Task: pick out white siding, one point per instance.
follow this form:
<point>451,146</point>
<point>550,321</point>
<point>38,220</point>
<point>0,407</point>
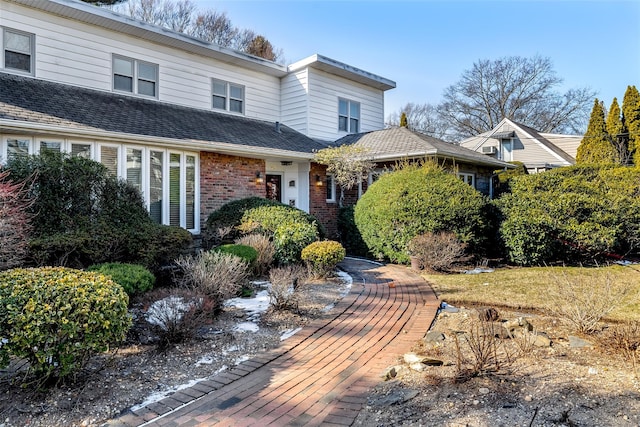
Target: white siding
<point>295,100</point>
<point>325,90</point>
<point>79,54</point>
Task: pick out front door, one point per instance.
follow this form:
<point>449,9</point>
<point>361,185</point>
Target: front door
<point>274,187</point>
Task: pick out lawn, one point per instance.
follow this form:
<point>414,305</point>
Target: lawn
<point>537,288</point>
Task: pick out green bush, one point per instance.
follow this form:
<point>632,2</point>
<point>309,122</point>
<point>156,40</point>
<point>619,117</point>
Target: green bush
<point>134,279</point>
<point>230,215</point>
<point>83,216</point>
<point>290,228</point>
<point>572,213</point>
<point>56,318</point>
<point>416,199</point>
<point>322,257</point>
<point>349,234</point>
<point>247,253</point>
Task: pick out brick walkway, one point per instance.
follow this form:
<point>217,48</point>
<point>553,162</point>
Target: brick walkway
<point>320,376</point>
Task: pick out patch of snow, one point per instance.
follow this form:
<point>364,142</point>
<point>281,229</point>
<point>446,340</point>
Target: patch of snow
<point>289,333</point>
<point>479,270</point>
<point>246,327</point>
<point>241,359</point>
<point>253,306</point>
<point>168,310</point>
<point>206,360</point>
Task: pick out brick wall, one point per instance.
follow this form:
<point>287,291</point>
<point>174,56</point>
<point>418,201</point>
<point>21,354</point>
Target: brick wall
<point>327,213</point>
<point>224,178</point>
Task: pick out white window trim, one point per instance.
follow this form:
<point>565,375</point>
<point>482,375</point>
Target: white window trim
<point>134,88</point>
<point>65,144</point>
<point>227,96</point>
<point>464,176</point>
<point>348,116</point>
<point>32,52</point>
<point>331,183</point>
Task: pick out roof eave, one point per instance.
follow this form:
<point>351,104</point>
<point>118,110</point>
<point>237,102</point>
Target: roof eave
<point>341,69</point>
<point>22,127</point>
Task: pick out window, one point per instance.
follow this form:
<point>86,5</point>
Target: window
<point>506,150</point>
<point>134,167</point>
<point>131,75</point>
<point>109,158</point>
<point>331,188</point>
<point>348,116</point>
<point>468,178</point>
<point>50,146</point>
<point>81,150</point>
<point>17,51</point>
<point>17,147</point>
<point>228,96</point>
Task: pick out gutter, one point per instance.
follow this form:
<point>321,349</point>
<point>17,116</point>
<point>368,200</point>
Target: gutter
<point>13,126</point>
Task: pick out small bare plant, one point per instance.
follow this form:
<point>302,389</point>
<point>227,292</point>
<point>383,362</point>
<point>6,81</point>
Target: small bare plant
<point>176,314</point>
<point>624,339</point>
<point>437,251</point>
<point>287,287</point>
<point>265,248</point>
<point>487,352</point>
<point>217,275</point>
<point>584,300</point>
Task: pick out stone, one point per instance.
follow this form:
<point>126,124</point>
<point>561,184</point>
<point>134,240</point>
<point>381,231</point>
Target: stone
<point>518,323</point>
<point>393,372</point>
<point>418,367</point>
<point>412,358</point>
<point>433,336</point>
<point>577,342</point>
<point>488,314</point>
<point>483,390</point>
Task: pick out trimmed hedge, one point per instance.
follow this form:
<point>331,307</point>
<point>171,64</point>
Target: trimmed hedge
<point>290,228</point>
<point>230,215</point>
<point>134,279</point>
<point>246,253</point>
<point>416,199</point>
<point>572,213</point>
<point>56,318</point>
<point>322,257</point>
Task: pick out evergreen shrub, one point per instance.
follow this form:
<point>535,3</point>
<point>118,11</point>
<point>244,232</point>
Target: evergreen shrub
<point>134,279</point>
<point>246,253</point>
<point>82,215</point>
<point>349,234</point>
<point>291,229</point>
<point>56,318</point>
<point>322,257</point>
<point>572,214</point>
<point>416,199</point>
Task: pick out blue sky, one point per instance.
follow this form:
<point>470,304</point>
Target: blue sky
<point>424,46</point>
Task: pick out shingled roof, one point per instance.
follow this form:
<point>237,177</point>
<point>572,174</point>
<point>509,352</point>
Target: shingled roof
<point>54,105</point>
<point>399,143</point>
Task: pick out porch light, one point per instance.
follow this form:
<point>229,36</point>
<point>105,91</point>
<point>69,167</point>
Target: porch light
<point>259,179</point>
<point>318,181</point>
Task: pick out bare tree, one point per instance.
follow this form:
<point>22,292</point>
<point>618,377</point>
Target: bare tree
<point>521,89</point>
<point>15,221</point>
<point>209,25</point>
<point>423,118</point>
<point>349,164</point>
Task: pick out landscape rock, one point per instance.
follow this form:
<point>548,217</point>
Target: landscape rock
<point>577,342</point>
<point>433,337</point>
<point>488,314</point>
<point>517,323</point>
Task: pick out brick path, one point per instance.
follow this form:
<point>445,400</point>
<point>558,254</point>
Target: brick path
<point>320,376</point>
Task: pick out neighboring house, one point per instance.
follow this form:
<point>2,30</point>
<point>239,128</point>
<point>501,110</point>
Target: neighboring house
<point>512,142</point>
<point>389,146</point>
<point>191,124</point>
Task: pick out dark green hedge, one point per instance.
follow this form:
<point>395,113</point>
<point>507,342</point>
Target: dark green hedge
<point>417,199</point>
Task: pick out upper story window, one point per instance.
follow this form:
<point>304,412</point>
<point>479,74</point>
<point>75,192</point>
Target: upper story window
<point>348,116</point>
<point>18,50</point>
<point>228,96</point>
<point>134,76</point>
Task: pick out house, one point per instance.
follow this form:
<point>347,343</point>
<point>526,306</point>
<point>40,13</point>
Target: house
<point>514,142</point>
<point>193,125</point>
<point>389,146</point>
